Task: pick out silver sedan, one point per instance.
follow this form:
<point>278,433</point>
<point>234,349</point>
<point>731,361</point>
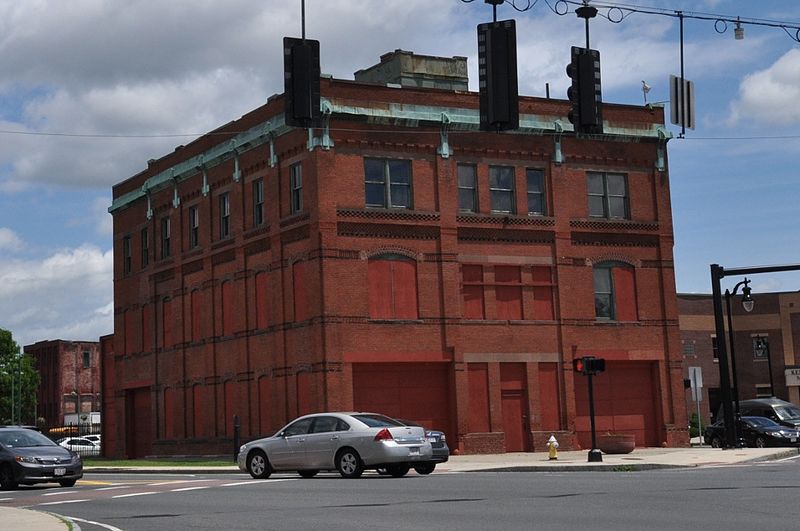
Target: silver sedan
<point>347,442</point>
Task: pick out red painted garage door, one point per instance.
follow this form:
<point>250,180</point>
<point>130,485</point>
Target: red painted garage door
<point>413,391</point>
<point>624,401</point>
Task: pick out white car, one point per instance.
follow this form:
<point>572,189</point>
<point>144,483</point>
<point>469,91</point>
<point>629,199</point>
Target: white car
<point>80,445</point>
<point>347,442</point>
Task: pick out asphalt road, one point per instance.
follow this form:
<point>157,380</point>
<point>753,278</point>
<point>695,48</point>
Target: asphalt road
<point>755,496</point>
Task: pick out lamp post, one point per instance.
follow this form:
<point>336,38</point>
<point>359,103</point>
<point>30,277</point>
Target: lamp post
<point>762,345</point>
<point>747,304</point>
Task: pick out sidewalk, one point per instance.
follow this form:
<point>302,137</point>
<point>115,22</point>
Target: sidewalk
<point>639,459</point>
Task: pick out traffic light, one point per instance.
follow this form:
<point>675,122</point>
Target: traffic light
<point>497,76</point>
<point>589,365</point>
<point>585,93</point>
<point>301,72</point>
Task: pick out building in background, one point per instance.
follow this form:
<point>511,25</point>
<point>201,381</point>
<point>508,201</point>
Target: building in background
<point>70,379</point>
<point>397,260</point>
<point>768,338</point>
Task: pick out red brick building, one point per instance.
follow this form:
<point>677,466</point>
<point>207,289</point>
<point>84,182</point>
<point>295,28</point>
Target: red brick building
<point>397,260</point>
<point>70,378</point>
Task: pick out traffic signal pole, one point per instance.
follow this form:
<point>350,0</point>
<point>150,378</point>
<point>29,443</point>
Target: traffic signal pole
<point>595,455</point>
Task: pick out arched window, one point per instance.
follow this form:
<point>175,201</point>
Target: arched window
<point>615,291</point>
<point>392,282</point>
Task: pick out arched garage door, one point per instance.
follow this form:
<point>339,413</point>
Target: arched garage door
<point>625,401</point>
<point>413,391</point>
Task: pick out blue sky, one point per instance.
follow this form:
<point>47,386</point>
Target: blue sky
<point>90,90</point>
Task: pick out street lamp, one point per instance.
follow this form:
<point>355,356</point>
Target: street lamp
<point>747,304</point>
<point>762,347</point>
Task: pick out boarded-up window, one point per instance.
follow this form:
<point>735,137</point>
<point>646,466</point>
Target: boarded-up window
<point>230,405</point>
<point>549,397</point>
<point>264,409</point>
<point>147,328</point>
<point>478,398</point>
<point>227,308</point>
<point>543,293</point>
<point>169,413</point>
<point>303,381</point>
<point>130,332</point>
<point>299,287</point>
<point>196,313</point>
<point>262,319</point>
<point>200,411</point>
<point>615,291</point>
<point>508,292</point>
<point>625,293</point>
<point>472,291</point>
<point>166,319</point>
<point>392,283</point>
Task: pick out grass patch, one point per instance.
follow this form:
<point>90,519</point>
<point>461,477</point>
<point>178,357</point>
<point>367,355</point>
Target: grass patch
<point>166,461</point>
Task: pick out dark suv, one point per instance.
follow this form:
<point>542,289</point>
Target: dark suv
<point>780,411</point>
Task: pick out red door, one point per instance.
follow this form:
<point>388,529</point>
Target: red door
<point>138,423</point>
<point>515,421</point>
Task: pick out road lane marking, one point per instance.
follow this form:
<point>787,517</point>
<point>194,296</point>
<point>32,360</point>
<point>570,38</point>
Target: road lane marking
<point>5,499</point>
<point>257,482</point>
<point>62,501</point>
<point>134,494</point>
<point>114,488</point>
<point>107,526</point>
<point>59,493</point>
<point>184,489</point>
<point>174,482</point>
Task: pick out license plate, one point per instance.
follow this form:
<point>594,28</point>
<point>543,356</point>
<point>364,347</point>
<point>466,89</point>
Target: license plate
<point>59,471</point>
<point>414,450</point>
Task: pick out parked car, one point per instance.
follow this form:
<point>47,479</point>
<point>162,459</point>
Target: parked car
<point>778,410</point>
<point>347,442</point>
<point>80,445</point>
<point>440,450</point>
<point>757,432</point>
<point>28,457</point>
<point>94,438</point>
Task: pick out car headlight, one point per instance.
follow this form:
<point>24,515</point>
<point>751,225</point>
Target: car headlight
<point>443,438</point>
<point>775,433</point>
<point>25,459</point>
<point>242,448</point>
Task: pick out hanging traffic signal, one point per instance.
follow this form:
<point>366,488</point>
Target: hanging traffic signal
<point>497,76</point>
<point>301,73</point>
<point>585,92</point>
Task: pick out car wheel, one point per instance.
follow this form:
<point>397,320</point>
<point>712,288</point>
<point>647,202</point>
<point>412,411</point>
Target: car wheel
<point>398,470</point>
<point>760,442</point>
<point>425,468</point>
<point>258,465</point>
<point>716,442</point>
<point>307,473</point>
<point>67,482</point>
<point>349,464</point>
<point>7,478</point>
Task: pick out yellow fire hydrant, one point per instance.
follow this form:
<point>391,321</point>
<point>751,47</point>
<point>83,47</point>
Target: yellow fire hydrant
<point>552,445</point>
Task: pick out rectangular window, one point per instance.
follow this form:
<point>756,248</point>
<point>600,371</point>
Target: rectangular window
<point>145,248</point>
<point>467,188</point>
<point>536,203</point>
<point>387,183</point>
<point>194,227</point>
<point>688,349</point>
<point>296,184</point>
<point>224,215</point>
<point>714,348</point>
<point>87,359</point>
<point>603,293</point>
<point>501,189</point>
<point>126,254</point>
<point>608,195</point>
<point>165,237</point>
<point>760,347</point>
<point>258,202</point>
<point>472,291</point>
<point>508,292</point>
<point>763,391</point>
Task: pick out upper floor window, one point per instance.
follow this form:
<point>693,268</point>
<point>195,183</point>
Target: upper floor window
<point>145,247</point>
<point>392,287</point>
<point>615,292</point>
<point>536,202</point>
<point>165,238</point>
<point>467,188</point>
<point>714,348</point>
<point>87,359</point>
<point>258,202</point>
<point>387,183</point>
<point>296,185</point>
<point>126,254</point>
<point>608,195</point>
<point>501,188</point>
<point>194,227</point>
<point>224,215</point>
<point>760,347</point>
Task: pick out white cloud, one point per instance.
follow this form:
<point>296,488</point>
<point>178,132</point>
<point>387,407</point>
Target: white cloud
<point>63,296</point>
<point>770,96</point>
<point>9,241</point>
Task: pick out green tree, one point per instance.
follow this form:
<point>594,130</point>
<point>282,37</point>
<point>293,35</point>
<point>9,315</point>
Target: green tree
<point>19,383</point>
